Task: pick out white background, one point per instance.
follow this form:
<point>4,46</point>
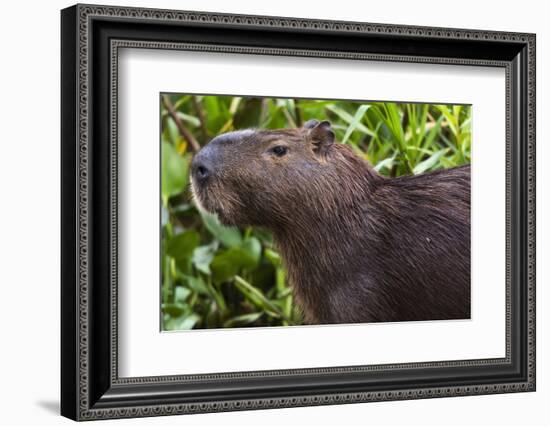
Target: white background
<point>29,229</point>
<point>141,346</point>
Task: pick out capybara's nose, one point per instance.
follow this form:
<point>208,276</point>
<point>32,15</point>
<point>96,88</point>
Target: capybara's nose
<point>202,172</point>
<point>202,166</point>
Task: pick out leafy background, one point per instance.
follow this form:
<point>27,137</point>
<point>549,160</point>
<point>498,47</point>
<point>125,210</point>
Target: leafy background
<point>215,276</point>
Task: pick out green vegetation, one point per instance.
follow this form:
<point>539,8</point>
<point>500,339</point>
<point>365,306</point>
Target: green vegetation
<point>215,276</point>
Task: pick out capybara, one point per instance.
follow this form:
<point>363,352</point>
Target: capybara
<point>357,246</point>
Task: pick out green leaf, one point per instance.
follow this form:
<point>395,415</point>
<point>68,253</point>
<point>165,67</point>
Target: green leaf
<point>182,245</point>
<point>217,113</point>
<point>433,132</point>
<point>229,236</point>
<point>181,294</point>
<point>192,120</point>
<point>174,309</point>
<point>182,323</point>
<point>391,116</point>
<point>219,301</point>
<point>451,119</point>
<point>248,113</point>
<point>430,162</point>
<point>174,172</point>
<point>242,319</point>
<point>183,264</point>
<point>264,236</point>
<point>252,249</point>
<point>385,163</point>
<point>224,266</point>
<point>348,118</point>
<point>189,322</point>
<point>256,297</point>
<point>465,126</point>
<point>164,216</point>
<point>196,284</point>
<point>273,257</point>
<point>230,262</point>
<point>173,132</point>
<point>202,257</point>
<point>355,121</point>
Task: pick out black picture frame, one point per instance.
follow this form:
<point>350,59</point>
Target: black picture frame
<point>90,386</point>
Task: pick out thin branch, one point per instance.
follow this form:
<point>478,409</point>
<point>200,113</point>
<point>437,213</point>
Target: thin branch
<point>185,134</point>
<point>200,112</point>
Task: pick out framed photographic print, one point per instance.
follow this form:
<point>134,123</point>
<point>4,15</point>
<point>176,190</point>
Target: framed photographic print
<point>263,212</point>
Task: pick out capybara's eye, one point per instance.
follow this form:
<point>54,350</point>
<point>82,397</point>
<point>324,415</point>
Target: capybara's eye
<point>279,150</point>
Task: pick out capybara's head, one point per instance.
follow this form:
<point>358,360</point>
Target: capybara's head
<point>267,177</point>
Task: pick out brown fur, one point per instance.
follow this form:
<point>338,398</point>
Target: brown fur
<point>358,247</point>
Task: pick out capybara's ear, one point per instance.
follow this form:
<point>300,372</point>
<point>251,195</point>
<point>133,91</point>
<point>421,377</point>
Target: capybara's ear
<point>310,124</point>
<point>321,136</point>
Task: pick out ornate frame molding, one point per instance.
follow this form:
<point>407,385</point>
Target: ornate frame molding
<point>78,24</point>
